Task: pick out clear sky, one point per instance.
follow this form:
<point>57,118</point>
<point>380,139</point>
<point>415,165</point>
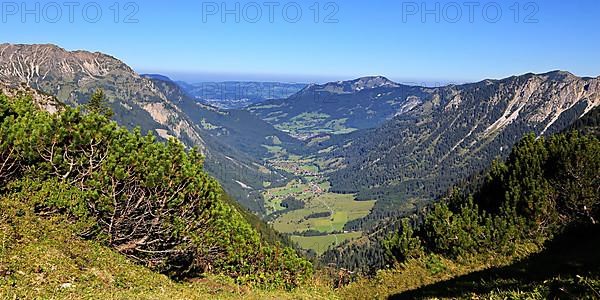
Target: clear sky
<point>345,39</point>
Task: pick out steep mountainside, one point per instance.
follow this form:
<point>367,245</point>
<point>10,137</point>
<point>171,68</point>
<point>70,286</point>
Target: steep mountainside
<point>339,107</point>
<point>454,132</point>
<point>239,94</point>
<point>235,127</point>
<point>238,144</point>
<point>73,76</point>
<point>149,200</point>
<point>589,124</point>
<point>154,105</point>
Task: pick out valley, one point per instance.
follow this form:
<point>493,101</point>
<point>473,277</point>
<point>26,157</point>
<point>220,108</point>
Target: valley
<point>306,210</point>
<point>366,151</point>
<point>312,150</point>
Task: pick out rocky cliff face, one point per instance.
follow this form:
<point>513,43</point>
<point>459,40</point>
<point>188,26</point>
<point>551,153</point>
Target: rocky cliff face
<point>540,100</point>
<point>72,76</point>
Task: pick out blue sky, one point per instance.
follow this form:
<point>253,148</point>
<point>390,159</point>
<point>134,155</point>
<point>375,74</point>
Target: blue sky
<point>189,40</point>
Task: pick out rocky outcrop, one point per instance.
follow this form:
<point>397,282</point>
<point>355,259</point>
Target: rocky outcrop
<point>43,101</point>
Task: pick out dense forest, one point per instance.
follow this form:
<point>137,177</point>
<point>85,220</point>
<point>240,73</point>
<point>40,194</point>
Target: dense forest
<point>545,186</point>
<point>151,201</point>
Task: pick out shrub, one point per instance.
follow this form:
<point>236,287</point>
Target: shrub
<point>403,245</point>
<point>544,186</point>
<point>149,200</point>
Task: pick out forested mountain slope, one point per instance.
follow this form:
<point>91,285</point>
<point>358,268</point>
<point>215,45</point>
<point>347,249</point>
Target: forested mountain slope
<point>237,128</point>
<point>237,143</point>
<point>455,132</point>
<point>339,107</point>
<point>588,124</point>
<point>539,199</point>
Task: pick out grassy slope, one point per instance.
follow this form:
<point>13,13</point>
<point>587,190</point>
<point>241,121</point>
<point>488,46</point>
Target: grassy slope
<point>43,258</point>
<point>568,268</point>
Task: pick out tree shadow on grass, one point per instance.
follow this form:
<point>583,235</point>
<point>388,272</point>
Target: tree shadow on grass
<point>576,252</point>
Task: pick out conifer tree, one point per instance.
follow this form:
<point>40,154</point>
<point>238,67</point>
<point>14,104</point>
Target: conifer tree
<point>99,104</point>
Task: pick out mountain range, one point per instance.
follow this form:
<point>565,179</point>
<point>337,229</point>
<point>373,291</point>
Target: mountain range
<point>338,107</point>
<point>405,145</point>
<point>458,130</point>
<point>398,144</point>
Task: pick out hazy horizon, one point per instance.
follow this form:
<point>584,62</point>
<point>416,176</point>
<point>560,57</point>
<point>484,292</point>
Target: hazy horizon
<point>201,77</point>
<point>426,41</point>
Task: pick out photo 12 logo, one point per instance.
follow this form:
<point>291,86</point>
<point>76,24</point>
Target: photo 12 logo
<point>69,11</point>
<point>454,12</point>
<point>254,12</point>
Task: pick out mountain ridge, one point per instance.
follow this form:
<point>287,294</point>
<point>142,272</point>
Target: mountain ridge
<point>404,140</point>
<point>341,107</point>
<point>454,132</point>
<point>72,76</point>
<point>348,86</point>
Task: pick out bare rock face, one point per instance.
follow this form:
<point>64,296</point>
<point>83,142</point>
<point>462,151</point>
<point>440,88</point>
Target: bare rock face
<point>72,76</point>
<point>540,100</point>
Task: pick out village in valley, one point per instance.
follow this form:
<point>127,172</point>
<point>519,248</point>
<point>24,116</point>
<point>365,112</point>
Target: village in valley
<point>305,209</point>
